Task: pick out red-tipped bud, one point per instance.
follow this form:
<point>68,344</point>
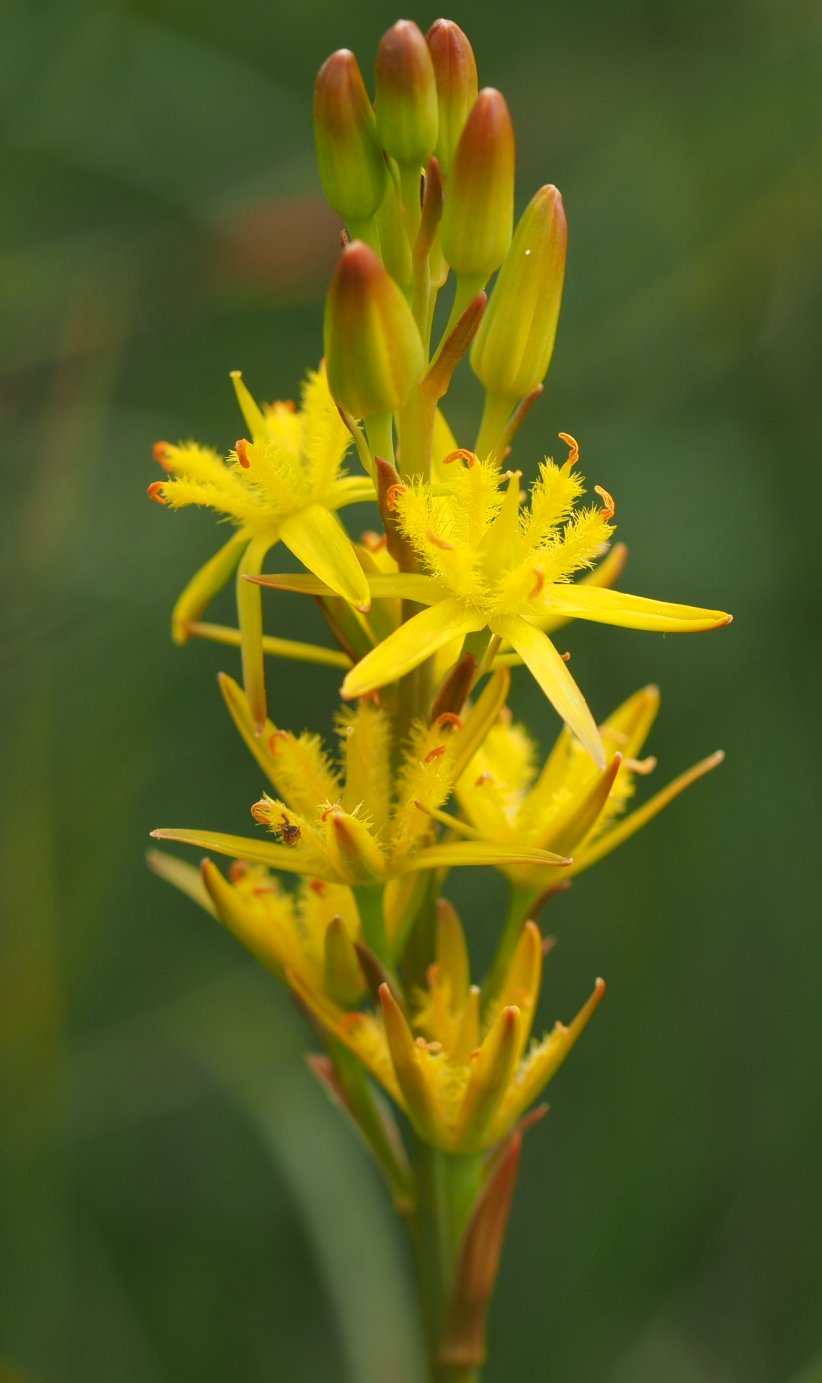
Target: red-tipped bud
<point>352,168</point>
<point>455,69</point>
<point>479,206</point>
<point>373,351</point>
<point>406,95</point>
<point>513,347</point>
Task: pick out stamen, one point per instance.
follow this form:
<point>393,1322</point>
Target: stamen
<point>243,457</point>
<point>448,718</point>
<point>160,452</point>
<point>237,870</point>
<point>573,448</point>
<point>371,698</point>
<point>372,541</point>
<point>317,886</point>
<point>155,491</point>
<point>643,766</point>
<point>351,1020</point>
<point>272,740</point>
<point>461,454</point>
<point>539,582</point>
<point>261,813</point>
<point>392,494</point>
<point>335,807</point>
<point>609,507</point>
<point>483,779</point>
<point>433,1047</point>
<point>439,542</point>
<point>435,753</point>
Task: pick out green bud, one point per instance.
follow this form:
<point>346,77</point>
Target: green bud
<point>406,95</point>
<point>479,205</point>
<point>512,349</point>
<point>352,167</point>
<point>455,69</point>
<point>373,351</point>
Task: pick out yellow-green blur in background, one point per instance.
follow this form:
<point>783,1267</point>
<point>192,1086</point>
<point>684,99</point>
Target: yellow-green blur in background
<point>177,1200</point>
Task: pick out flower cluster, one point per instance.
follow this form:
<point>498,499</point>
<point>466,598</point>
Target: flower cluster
<point>474,568</point>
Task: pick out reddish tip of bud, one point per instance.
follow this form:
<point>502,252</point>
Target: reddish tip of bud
<point>155,491</point>
<point>478,218</point>
<point>455,70</point>
<point>243,457</point>
<point>406,94</point>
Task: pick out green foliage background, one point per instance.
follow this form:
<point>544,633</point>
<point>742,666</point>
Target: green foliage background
<point>178,1202</point>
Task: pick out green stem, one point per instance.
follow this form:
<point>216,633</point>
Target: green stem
<point>447,1188</point>
<point>380,432</point>
<point>410,190</point>
<point>372,920</point>
<point>366,231</point>
<point>467,289</point>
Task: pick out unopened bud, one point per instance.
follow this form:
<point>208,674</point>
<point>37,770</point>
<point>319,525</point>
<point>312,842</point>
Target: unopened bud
<point>479,206</point>
<point>373,351</point>
<point>512,349</point>
<point>455,69</point>
<point>352,168</point>
<point>406,95</point>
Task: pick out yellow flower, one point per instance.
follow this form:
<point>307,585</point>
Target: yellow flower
<point>567,806</point>
<point>363,823</point>
<point>463,1077</point>
<point>285,484</point>
<point>493,567</point>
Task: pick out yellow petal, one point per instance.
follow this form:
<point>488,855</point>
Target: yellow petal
<point>286,857</point>
<point>410,1067</point>
<point>542,1064</point>
<point>543,661</point>
<point>628,727</point>
<point>410,645</point>
<point>425,590</point>
<point>248,924</point>
<point>452,953</point>
<point>319,541</point>
<point>456,853</point>
<point>632,611</point>
<point>250,409</point>
<point>580,815</point>
<point>480,718</point>
<point>491,1072</point>
<point>606,574</point>
<point>204,585</point>
<point>342,975</point>
<point>184,876</point>
<point>250,619</point>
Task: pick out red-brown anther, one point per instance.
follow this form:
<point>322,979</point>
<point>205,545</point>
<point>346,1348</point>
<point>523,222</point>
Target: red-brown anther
<point>351,1020</point>
<point>435,753</point>
<point>274,738</point>
<point>439,542</point>
<point>539,582</point>
<point>461,454</point>
<point>318,886</point>
<point>237,870</point>
<point>155,491</point>
<point>573,447</point>
<point>373,542</point>
<point>160,452</point>
<point>243,457</point>
<point>483,779</point>
<point>448,718</point>
<point>371,698</point>
<point>261,813</point>
<point>608,505</point>
<point>393,493</point>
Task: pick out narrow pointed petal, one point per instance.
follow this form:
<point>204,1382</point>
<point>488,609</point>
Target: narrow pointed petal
<point>606,574</point>
<point>345,1084</point>
<point>203,586</point>
<point>632,611</point>
<point>521,983</point>
<point>452,952</point>
<point>290,859</point>
<point>581,814</point>
<point>184,876</point>
<point>480,718</point>
<point>467,1038</point>
<point>319,541</point>
<point>249,926</point>
<point>457,853</point>
<point>629,825</point>
<point>405,585</point>
<point>250,619</point>
<point>491,1073</point>
<point>342,975</point>
<point>543,661</point>
<point>249,408</point>
<point>408,1062</point>
<point>240,712</point>
<point>628,727</point>
<point>543,1063</point>
<point>410,645</point>
<point>463,1344</point>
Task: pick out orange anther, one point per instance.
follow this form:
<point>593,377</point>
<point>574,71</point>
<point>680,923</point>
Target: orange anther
<point>483,779</point>
<point>539,582</point>
<point>449,718</point>
<point>155,491</point>
<point>262,889</point>
<point>351,1020</point>
<point>237,870</point>
<point>642,766</point>
<point>566,657</point>
<point>461,454</point>
<point>160,452</point>
<point>372,698</point>
<point>393,493</point>
<point>318,886</point>
<point>435,753</point>
<point>372,541</point>
<point>335,807</point>
<point>421,807</point>
<point>272,740</point>
<point>260,812</point>
<point>573,447</point>
<point>609,508</point>
<point>243,457</point>
<point>424,1046</point>
<point>439,542</point>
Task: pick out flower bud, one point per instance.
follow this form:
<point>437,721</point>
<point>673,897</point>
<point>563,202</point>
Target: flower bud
<point>373,350</point>
<point>512,349</point>
<point>455,69</point>
<point>406,95</point>
<point>479,207</point>
<point>352,167</point>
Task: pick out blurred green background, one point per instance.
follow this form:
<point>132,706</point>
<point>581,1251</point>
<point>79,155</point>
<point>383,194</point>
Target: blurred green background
<point>178,1201</point>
